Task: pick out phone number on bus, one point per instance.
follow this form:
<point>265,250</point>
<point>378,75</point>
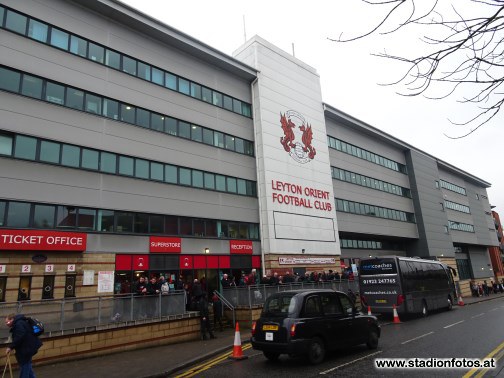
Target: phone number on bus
<point>379,281</point>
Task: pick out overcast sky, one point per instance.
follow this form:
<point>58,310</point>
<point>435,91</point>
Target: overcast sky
<point>349,74</point>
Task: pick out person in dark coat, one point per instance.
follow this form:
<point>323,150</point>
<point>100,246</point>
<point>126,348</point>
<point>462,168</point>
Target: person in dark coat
<point>217,309</point>
<point>206,326</point>
<point>24,342</point>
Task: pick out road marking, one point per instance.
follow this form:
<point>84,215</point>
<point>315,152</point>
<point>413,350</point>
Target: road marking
<point>451,325</point>
<point>349,363</point>
<point>471,372</point>
<point>416,338</point>
<point>477,316</point>
<point>493,309</point>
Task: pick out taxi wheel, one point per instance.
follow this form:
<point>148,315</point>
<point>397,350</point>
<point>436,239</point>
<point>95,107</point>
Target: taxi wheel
<point>316,351</point>
<point>372,342</point>
<point>425,310</point>
<point>271,356</point>
<point>450,304</point>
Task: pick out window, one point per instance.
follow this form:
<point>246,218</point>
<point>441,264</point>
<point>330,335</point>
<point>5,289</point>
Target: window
<point>112,59</point>
<point>171,174</point>
<point>126,165</point>
<point>24,291</point>
<point>157,122</point>
<point>184,176</point>
<point>183,86</point>
<point>86,219</point>
<point>38,31</point>
<point>48,287</point>
<point>70,285</point>
<point>156,224</point>
<point>144,71</point>
<point>218,139</point>
<point>110,108</point>
<point>6,145</point>
<point>170,81</point>
<point>107,162</point>
<point>59,39</point>
<point>156,171</point>
<point>229,143</point>
<point>105,221</point>
<point>141,168</point>
<point>209,180</point>
<point>74,98</point>
<point>90,159</point>
<point>127,113</point>
<point>18,214</point>
<point>157,76</point>
<point>43,216</point>
<point>312,307</point>
<point>15,22</point>
<point>129,65</point>
<point>32,86</point>
<point>66,217</point>
<point>93,104</point>
<point>26,147</point>
<point>196,133</point>
<point>78,46</point>
<point>3,284</point>
<point>55,93</point>
<point>143,118</point>
<point>124,221</point>
<point>96,53</point>
<point>220,183</point>
<point>208,136</point>
<point>9,80</point>
<point>184,130</point>
<point>141,223</point>
<point>50,152</point>
<point>197,179</point>
<point>171,126</point>
<point>196,90</point>
<point>206,94</point>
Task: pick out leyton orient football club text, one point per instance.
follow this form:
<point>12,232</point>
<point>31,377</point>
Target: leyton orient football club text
<point>297,195</point>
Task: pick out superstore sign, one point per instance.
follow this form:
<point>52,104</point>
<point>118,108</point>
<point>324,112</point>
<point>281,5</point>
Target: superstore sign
<point>300,196</point>
<point>163,244</point>
<point>28,240</point>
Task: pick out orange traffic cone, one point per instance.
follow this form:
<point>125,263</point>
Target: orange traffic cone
<point>237,348</point>
<point>369,310</point>
<point>396,317</point>
<point>460,301</point>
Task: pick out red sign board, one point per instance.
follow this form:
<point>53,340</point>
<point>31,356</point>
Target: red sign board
<point>186,262</point>
<point>165,245</point>
<point>38,240</point>
<point>140,262</point>
<point>240,247</point>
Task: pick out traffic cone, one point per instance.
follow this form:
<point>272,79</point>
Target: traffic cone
<point>369,310</point>
<point>460,301</point>
<point>396,317</point>
<point>237,348</point>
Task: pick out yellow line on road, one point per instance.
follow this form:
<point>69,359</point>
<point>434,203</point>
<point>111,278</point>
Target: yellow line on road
<point>471,372</point>
<point>207,365</point>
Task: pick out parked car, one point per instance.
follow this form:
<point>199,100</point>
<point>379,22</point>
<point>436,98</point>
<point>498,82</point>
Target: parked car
<point>309,322</point>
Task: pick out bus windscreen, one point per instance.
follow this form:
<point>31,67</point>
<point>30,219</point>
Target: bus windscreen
<point>371,267</point>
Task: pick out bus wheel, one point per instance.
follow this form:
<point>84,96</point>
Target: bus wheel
<point>425,311</point>
<point>450,304</point>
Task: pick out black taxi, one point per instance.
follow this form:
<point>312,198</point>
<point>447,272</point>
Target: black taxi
<point>310,322</point>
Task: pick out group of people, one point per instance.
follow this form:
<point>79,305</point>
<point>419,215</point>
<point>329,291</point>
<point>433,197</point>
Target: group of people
<point>479,289</point>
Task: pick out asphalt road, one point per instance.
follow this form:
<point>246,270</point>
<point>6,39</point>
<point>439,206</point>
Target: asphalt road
<point>472,332</point>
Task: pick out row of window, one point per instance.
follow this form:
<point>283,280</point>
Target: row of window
<point>60,94</point>
<point>457,207</point>
<point>373,211</point>
<point>366,155</point>
<point>360,244</point>
<point>68,155</point>
<point>15,214</point>
<point>55,37</point>
<point>452,187</point>
<point>355,178</point>
<point>460,226</point>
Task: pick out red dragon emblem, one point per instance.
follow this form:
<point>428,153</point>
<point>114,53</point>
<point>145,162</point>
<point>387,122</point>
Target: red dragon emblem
<point>302,151</point>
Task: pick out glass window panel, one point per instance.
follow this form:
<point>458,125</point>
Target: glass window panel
<point>15,22</point>
<point>197,179</point>
<point>249,148</point>
<point>196,90</point>
<point>156,171</point>
<point>127,113</point>
<point>184,176</point>
<point>242,187</point>
<point>144,71</point>
<point>186,226</point>
<point>2,203</point>
<point>129,65</point>
<point>90,159</point>
<point>171,174</point>
<point>196,133</point>
<point>110,108</point>
<point>211,228</point>
<point>78,46</point>
<point>209,180</point>
<point>141,168</point>
<point>43,216</point>
<point>251,188</point>
<point>93,104</point>
<point>171,225</point>
<point>157,76</point>
<point>141,223</point>
<point>2,12</point>
<point>218,139</point>
<point>37,30</point>
<point>105,221</point>
<point>183,86</point>
<point>208,136</point>
<point>229,143</point>
<point>126,165</point>
<point>143,118</point>
<point>70,155</point>
<point>217,99</point>
<point>55,93</point>
<point>156,224</point>
<point>74,98</point>
<point>231,185</point>
<point>49,151</point>
<point>124,221</point>
<point>32,86</point>
<point>236,106</point>
<point>86,219</point>
<point>246,110</point>
<point>108,162</point>
<point>199,227</point>
<point>239,145</point>
<point>228,103</point>
<point>9,80</point>
<point>96,53</point>
<point>6,142</point>
<point>18,214</point>
<point>59,38</point>
<point>220,183</point>
<point>157,122</point>
<point>113,59</point>
<point>170,81</point>
<point>26,147</point>
<point>171,126</point>
<point>206,94</point>
<point>184,130</point>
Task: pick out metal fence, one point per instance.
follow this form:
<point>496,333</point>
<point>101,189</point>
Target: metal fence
<point>74,315</point>
<point>255,295</point>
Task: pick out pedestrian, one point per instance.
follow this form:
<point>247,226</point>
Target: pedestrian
<point>217,310</point>
<point>24,342</point>
<point>225,282</point>
<point>205,324</point>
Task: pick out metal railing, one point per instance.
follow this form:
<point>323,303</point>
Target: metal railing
<point>226,303</point>
<point>74,315</point>
<point>255,295</point>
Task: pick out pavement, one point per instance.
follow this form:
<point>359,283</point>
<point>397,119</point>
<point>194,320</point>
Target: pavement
<point>161,361</point>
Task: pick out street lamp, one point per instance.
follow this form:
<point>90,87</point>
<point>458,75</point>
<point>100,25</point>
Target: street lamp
<point>207,250</point>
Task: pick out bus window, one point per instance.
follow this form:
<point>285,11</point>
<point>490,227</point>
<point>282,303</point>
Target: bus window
<point>378,266</point>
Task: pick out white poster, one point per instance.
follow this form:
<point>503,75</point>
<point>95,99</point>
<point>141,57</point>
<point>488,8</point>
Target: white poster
<point>106,282</point>
<point>88,278</point>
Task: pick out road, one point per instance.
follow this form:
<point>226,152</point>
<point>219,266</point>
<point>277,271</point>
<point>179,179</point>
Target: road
<point>475,332</point>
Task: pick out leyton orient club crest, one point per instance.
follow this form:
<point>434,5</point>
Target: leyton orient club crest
<point>294,125</point>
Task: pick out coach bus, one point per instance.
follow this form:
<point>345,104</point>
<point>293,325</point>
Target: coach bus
<point>413,285</point>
